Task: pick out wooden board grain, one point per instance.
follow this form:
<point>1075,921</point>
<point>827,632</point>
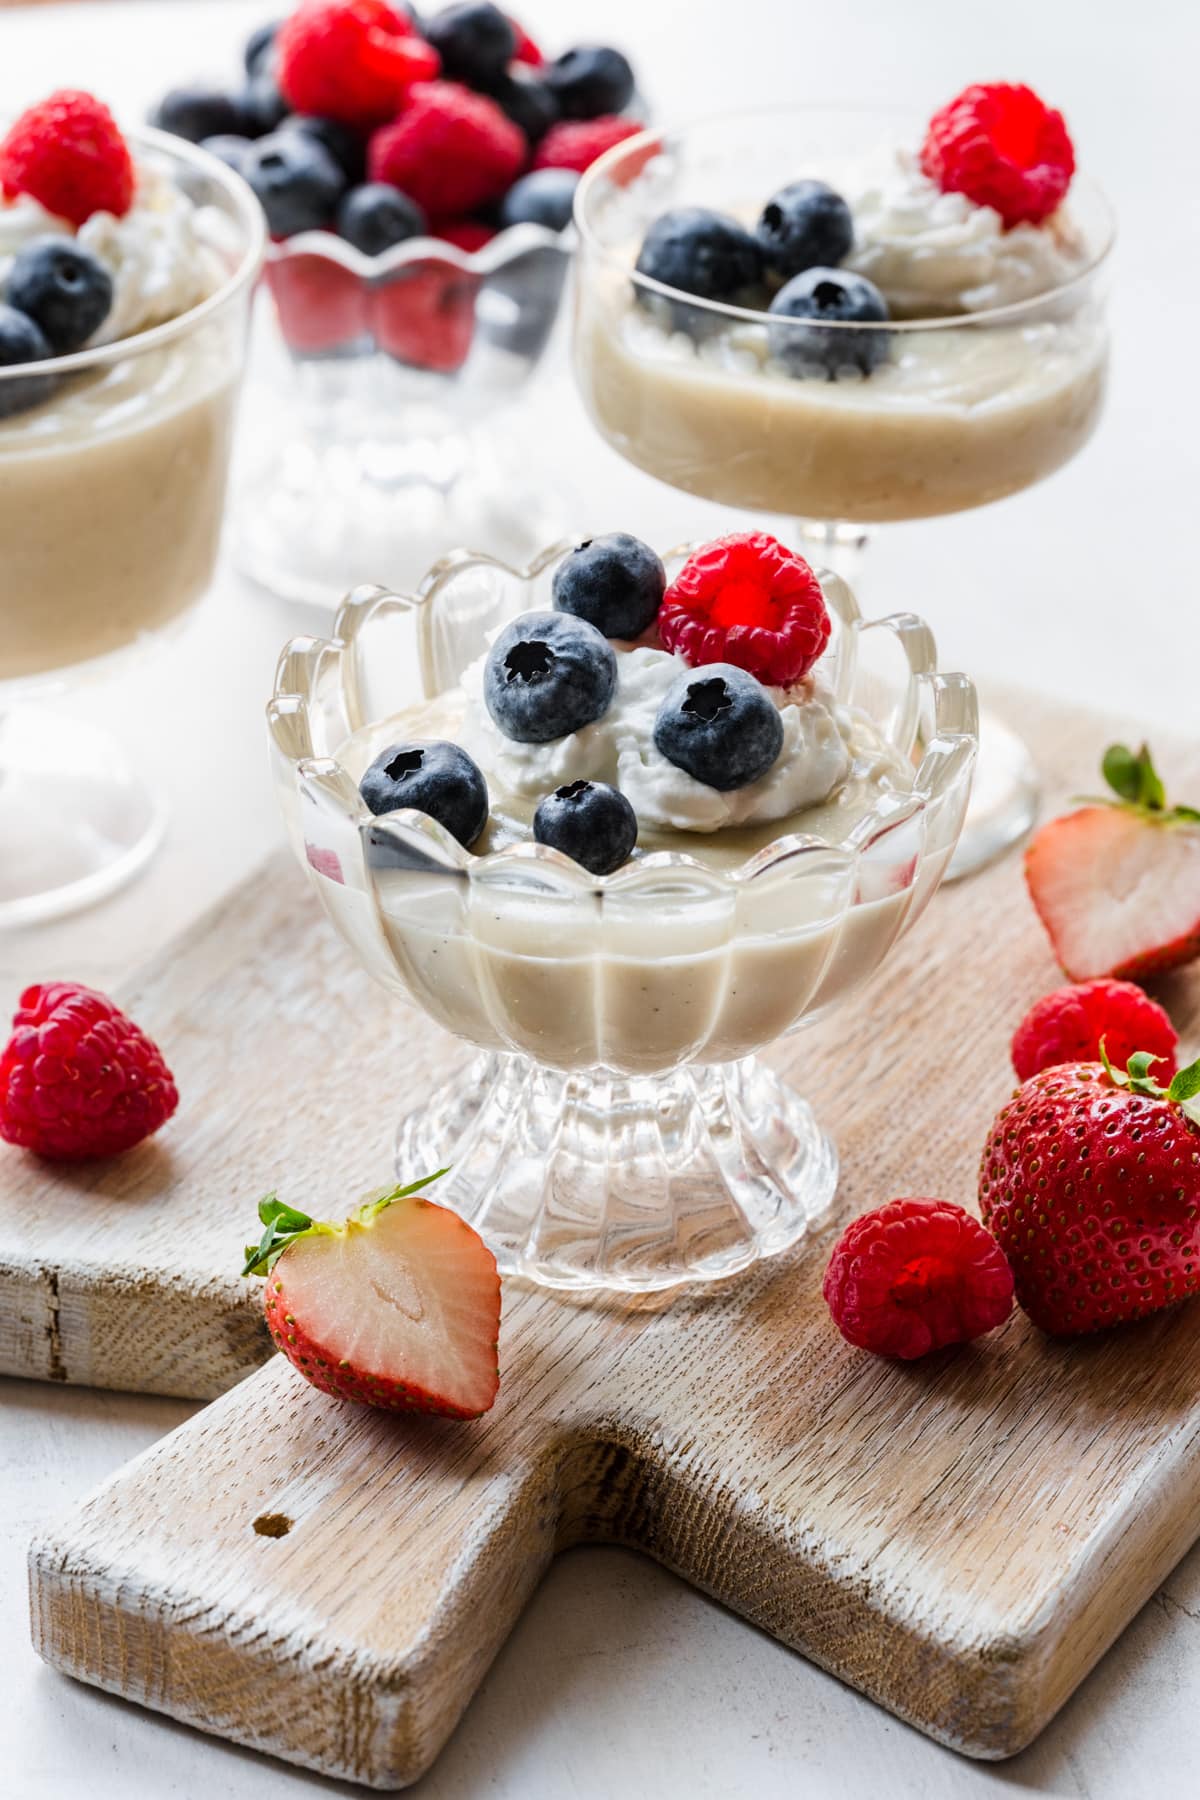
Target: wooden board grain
<point>960,1539</point>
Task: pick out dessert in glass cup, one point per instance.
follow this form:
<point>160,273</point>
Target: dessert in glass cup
<point>417,179</point>
<point>828,314</point>
<point>126,270</point>
<point>646,816</point>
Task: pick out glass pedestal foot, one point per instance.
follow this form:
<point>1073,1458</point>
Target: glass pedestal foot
<point>624,1184</point>
<point>1005,795</point>
<point>333,515</point>
<point>76,822</point>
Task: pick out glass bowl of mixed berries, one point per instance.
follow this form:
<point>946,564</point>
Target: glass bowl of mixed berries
<point>640,816</point>
<point>418,182</point>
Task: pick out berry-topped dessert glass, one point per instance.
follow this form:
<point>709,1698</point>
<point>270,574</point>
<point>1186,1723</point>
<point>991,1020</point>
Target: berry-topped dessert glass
<point>625,836</point>
<point>837,316</point>
<point>126,273</point>
<point>418,186</point>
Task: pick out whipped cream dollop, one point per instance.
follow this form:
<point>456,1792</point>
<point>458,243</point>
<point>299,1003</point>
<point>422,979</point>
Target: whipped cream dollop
<point>160,265</point>
<point>619,749</point>
<point>932,253</point>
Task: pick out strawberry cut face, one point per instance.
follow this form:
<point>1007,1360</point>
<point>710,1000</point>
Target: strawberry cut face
<point>398,1308</point>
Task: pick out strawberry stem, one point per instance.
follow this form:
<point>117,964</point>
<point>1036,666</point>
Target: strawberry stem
<point>283,1224</point>
<point>1138,787</point>
<point>1183,1092</point>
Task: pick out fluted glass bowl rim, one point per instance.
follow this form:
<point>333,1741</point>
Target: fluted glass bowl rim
<point>508,246</point>
<point>250,218</point>
<point>310,654</point>
<point>1014,313</point>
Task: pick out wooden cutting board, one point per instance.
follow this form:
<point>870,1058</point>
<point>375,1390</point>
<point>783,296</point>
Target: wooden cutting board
<point>960,1539</point>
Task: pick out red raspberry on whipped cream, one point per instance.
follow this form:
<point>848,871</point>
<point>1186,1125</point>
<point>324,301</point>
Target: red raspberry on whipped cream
<point>68,154</point>
<point>748,600</point>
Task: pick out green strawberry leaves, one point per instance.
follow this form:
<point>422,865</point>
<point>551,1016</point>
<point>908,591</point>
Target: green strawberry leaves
<point>283,1224</point>
<point>1138,787</point>
<point>1133,778</point>
<point>1183,1092</point>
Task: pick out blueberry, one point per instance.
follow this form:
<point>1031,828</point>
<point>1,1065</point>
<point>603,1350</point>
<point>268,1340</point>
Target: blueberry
<point>828,297</point>
<point>297,182</point>
<point>548,675</point>
<point>616,583</point>
<point>261,106</point>
<point>343,144</point>
<point>228,147</point>
<point>474,39</point>
<point>720,725</point>
<point>196,113</point>
<point>592,824</point>
<point>545,197</point>
<point>435,778</point>
<point>259,45</point>
<point>21,341</point>
<point>64,289</point>
<point>589,80</point>
<point>701,252</point>
<point>376,216</point>
<point>527,101</point>
<point>803,226</point>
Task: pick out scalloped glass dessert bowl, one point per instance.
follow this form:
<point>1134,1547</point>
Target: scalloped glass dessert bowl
<point>392,365</point>
<point>112,497</point>
<point>965,408</point>
<point>616,1130</point>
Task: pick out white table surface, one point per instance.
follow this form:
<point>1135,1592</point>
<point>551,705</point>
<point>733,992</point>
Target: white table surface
<point>620,1680</point>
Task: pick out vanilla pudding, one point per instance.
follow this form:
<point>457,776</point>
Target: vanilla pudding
<point>961,415</point>
<point>703,954</point>
<point>989,358</point>
<point>112,488</point>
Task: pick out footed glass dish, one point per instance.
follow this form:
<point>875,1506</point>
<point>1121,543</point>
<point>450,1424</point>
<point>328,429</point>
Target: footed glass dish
<point>379,458</point>
<point>616,1130</point>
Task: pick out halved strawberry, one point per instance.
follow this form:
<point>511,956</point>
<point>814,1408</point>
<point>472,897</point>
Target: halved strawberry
<point>398,1307</point>
<point>1117,883</point>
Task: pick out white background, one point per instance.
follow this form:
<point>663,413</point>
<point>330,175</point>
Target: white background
<point>620,1681</point>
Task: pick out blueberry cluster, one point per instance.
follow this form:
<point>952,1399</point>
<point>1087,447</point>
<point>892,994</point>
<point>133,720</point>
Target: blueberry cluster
<point>787,267</point>
<point>57,294</point>
<point>549,674</point>
<point>310,173</point>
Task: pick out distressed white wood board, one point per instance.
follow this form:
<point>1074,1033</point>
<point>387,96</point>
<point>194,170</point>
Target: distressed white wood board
<point>959,1539</point>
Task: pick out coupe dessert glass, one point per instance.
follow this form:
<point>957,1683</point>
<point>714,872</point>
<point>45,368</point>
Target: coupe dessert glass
<point>392,363</point>
<point>616,1130</point>
<point>112,491</point>
<point>968,408</point>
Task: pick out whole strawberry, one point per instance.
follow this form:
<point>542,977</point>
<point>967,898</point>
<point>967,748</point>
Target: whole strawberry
<point>1090,1181</point>
<point>78,1079</point>
<point>1117,883</point>
<point>397,1307</point>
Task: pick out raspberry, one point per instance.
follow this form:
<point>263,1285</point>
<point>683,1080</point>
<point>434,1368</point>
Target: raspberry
<point>450,150</point>
<point>464,234</point>
<point>78,1079</point>
<point>350,60</point>
<point>1001,147</point>
<point>321,306</point>
<point>915,1275</point>
<point>576,143</point>
<point>68,154</point>
<point>525,50</point>
<point>425,316</point>
<point>1067,1026</point>
<point>747,600</point>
